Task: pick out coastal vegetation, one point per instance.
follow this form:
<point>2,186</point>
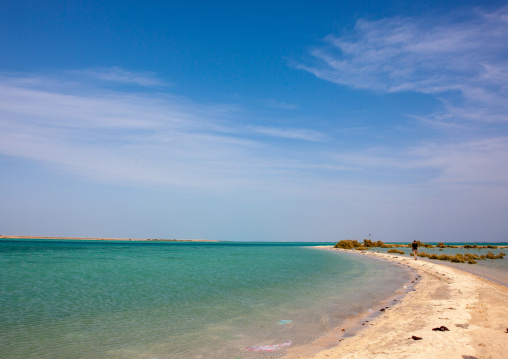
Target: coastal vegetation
<point>475,246</point>
<point>467,257</point>
<point>367,244</point>
<point>462,258</point>
<point>396,251</point>
<point>348,244</point>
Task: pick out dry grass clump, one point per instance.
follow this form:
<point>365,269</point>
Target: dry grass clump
<point>396,251</point>
<point>491,255</point>
<point>348,244</point>
<point>441,257</point>
<point>462,258</point>
<point>458,258</point>
<point>471,256</point>
<point>369,243</point>
<point>476,246</point>
<point>354,244</point>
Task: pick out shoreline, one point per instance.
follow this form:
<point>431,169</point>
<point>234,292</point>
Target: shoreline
<point>471,307</point>
<point>109,239</point>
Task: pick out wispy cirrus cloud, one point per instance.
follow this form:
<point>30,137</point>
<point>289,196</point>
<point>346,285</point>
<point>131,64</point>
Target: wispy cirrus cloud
<point>477,162</point>
<point>162,139</point>
<point>460,54</point>
<point>121,76</point>
<point>125,136</point>
<point>460,59</point>
<point>291,133</point>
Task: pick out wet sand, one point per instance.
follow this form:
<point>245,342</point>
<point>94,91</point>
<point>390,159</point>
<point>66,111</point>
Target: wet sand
<point>473,309</point>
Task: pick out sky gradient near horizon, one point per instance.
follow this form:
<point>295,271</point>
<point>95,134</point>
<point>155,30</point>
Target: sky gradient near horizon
<point>255,121</point>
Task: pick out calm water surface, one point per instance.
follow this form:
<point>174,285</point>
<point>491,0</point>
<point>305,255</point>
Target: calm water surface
<point>88,299</point>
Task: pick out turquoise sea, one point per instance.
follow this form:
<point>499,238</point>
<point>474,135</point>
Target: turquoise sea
<point>179,300</point>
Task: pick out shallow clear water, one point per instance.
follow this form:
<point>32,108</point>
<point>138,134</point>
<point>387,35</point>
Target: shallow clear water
<point>80,299</point>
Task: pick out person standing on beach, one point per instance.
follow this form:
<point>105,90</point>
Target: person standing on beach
<point>415,248</point>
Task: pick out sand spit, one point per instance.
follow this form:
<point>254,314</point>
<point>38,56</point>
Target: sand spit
<point>470,312</point>
<point>109,239</point>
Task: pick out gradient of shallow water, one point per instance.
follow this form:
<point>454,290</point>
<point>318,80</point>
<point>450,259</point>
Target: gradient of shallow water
<point>70,299</point>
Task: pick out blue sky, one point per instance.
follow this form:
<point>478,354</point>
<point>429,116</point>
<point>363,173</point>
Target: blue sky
<point>271,121</point>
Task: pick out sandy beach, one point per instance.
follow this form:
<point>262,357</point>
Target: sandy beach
<point>471,311</point>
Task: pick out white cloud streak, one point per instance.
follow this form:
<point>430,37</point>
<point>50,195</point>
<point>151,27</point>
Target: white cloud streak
<point>291,133</point>
<point>141,138</point>
<point>460,59</point>
<point>164,140</point>
<point>464,53</point>
<point>121,76</point>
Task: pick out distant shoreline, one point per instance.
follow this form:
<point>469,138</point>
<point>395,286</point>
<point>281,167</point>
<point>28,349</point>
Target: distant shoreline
<point>109,239</point>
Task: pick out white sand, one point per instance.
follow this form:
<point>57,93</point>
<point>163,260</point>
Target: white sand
<point>474,310</point>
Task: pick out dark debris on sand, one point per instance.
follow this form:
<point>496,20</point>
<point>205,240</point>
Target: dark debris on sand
<point>441,328</point>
